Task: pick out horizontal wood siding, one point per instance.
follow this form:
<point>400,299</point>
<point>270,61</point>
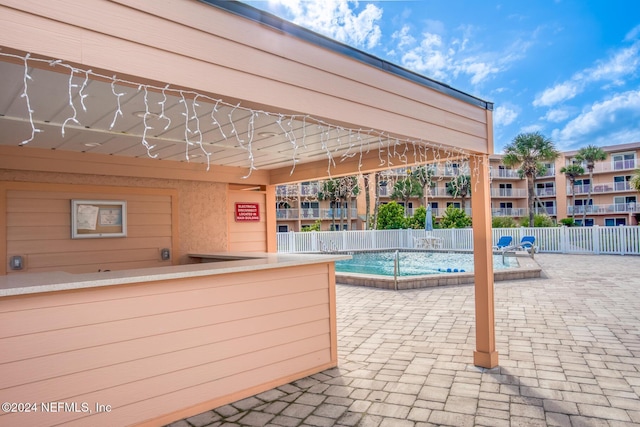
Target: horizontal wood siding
<point>154,350</point>
<point>39,229</point>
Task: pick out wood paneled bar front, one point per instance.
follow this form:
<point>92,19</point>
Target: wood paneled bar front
<point>149,346</point>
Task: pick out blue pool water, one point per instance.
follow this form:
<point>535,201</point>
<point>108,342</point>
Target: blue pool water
<point>415,263</point>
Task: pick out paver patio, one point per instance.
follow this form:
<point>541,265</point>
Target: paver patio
<point>569,347</point>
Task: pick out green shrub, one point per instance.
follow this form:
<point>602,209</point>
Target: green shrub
<point>504,222</point>
<point>455,218</point>
<point>539,220</point>
<point>391,216</point>
<point>569,222</point>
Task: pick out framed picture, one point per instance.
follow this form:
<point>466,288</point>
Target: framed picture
<point>92,219</point>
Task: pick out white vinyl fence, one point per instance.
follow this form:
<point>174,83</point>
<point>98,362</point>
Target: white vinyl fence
<point>622,240</point>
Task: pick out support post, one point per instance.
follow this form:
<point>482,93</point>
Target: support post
<point>485,355</point>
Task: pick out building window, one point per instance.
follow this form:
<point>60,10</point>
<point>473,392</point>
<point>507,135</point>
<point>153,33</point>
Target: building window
<point>611,222</point>
<point>506,205</point>
<point>621,182</point>
<point>587,223</point>
<point>434,205</point>
<point>623,161</point>
<point>283,228</point>
<point>454,204</point>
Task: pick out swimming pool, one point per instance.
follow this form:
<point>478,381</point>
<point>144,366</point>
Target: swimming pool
<point>415,263</point>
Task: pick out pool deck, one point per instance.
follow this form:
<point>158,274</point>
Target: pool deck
<point>569,345</point>
<point>528,269</point>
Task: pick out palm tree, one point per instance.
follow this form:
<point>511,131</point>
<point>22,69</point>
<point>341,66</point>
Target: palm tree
<point>460,186</point>
<point>424,176</point>
<point>404,189</point>
<point>529,150</point>
<point>590,155</point>
<point>635,180</point>
<point>572,172</point>
<point>367,199</point>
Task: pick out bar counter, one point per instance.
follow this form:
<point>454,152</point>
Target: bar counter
<point>225,262</point>
<point>152,346</point>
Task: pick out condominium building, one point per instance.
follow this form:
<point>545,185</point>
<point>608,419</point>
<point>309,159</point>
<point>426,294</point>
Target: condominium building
<point>612,201</point>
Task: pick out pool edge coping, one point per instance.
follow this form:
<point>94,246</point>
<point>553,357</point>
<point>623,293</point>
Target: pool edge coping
<point>528,269</point>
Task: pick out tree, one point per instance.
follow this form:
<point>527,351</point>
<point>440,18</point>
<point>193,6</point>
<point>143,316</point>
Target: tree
<point>460,186</point>
<point>329,190</point>
<point>367,199</point>
<point>391,217</point>
<point>424,176</point>
<point>337,190</point>
<point>404,189</point>
<point>590,155</point>
<point>528,151</point>
<point>455,218</point>
<point>635,180</point>
<point>572,172</point>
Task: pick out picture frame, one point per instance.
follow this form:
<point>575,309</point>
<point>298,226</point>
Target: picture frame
<point>95,219</point>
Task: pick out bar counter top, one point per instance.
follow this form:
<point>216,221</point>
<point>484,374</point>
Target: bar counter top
<point>223,263</point>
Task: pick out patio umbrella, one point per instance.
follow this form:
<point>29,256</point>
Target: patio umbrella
<point>428,221</point>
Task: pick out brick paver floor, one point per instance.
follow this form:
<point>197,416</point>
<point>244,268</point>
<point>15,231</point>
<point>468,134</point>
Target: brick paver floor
<point>569,346</point>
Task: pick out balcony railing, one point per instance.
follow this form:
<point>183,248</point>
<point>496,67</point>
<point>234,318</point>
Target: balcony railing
<point>614,165</point>
<point>508,192</point>
<point>548,172</point>
<point>545,192</point>
<point>604,209</point>
<point>504,173</point>
<point>600,188</point>
<point>314,213</point>
<point>514,212</point>
<point>550,210</point>
<point>287,190</point>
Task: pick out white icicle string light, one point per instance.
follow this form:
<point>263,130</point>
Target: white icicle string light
<point>82,88</point>
<point>25,95</point>
<point>215,121</point>
<point>72,118</point>
<point>195,106</point>
<point>331,147</point>
<point>163,104</point>
<point>117,95</point>
<point>146,144</point>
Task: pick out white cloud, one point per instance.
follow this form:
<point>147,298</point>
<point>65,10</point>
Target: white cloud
<point>619,112</point>
<point>403,37</point>
<point>557,115</point>
<point>338,20</point>
<point>503,116</point>
<point>531,128</point>
<point>557,94</point>
<point>622,63</point>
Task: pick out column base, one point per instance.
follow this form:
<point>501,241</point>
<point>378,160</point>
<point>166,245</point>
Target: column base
<point>485,360</point>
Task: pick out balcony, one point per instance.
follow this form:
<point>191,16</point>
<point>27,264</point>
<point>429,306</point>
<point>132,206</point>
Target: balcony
<point>611,187</point>
<point>509,192</point>
<point>614,165</point>
<point>504,173</point>
<point>314,213</point>
<point>309,189</point>
<point>545,192</point>
<point>604,209</point>
<point>549,172</point>
<point>513,212</point>
<point>287,191</point>
<point>549,210</point>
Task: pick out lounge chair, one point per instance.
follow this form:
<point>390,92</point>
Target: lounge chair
<point>527,243</point>
<point>503,242</point>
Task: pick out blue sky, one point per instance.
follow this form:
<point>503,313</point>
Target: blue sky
<point>569,69</point>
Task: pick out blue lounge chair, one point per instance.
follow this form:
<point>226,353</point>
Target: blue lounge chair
<point>527,243</point>
<point>503,242</point>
